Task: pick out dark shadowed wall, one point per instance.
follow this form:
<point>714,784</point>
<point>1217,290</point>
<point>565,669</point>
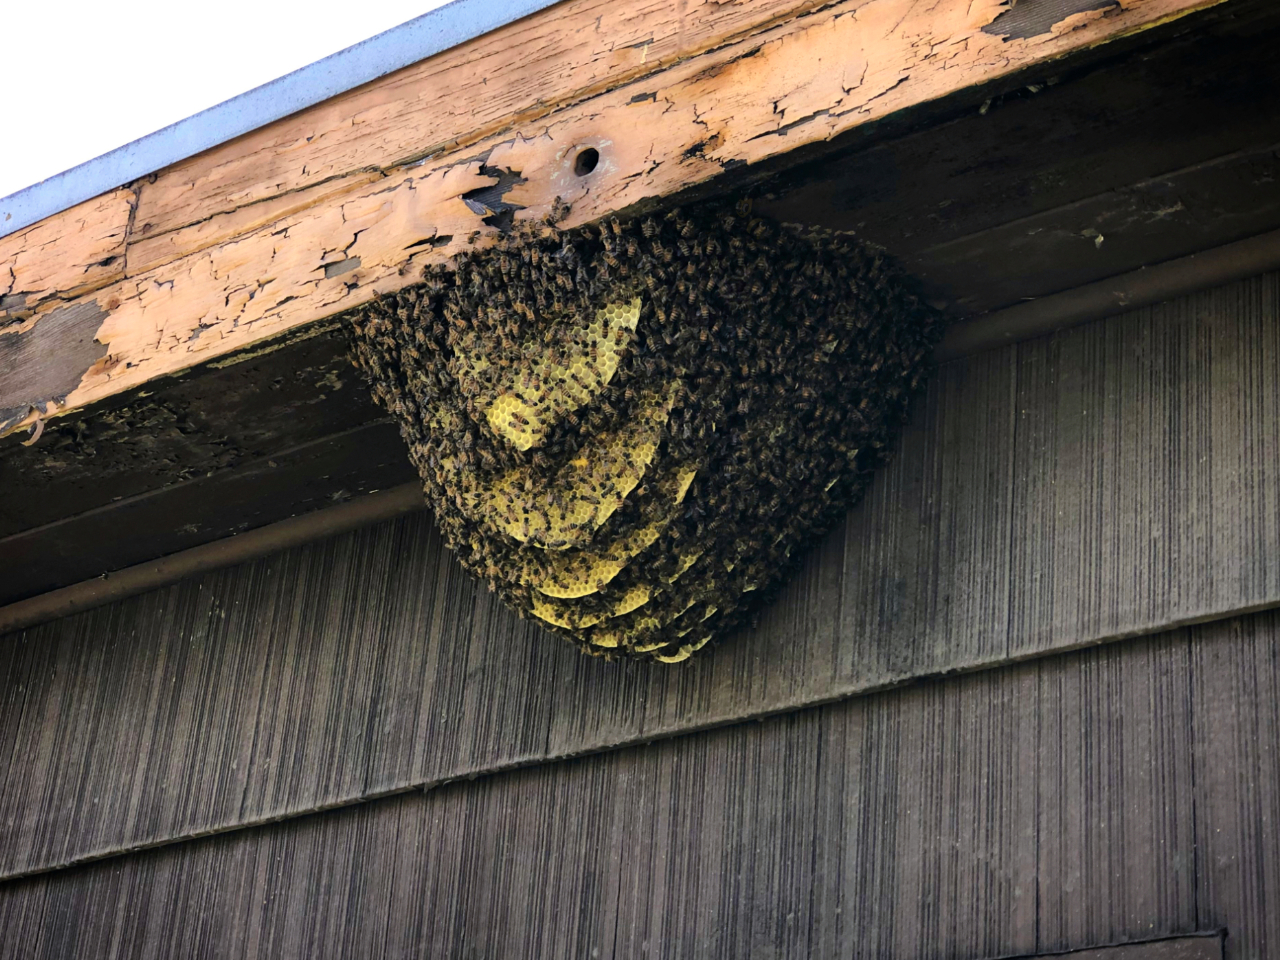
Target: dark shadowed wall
<point>1115,487</point>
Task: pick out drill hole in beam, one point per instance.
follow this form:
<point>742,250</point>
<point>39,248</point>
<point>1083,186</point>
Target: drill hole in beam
<point>586,161</point>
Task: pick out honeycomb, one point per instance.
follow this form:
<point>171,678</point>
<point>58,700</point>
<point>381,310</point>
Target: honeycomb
<point>631,430</point>
<point>566,509</point>
<point>588,571</point>
<point>566,615</point>
<point>548,387</point>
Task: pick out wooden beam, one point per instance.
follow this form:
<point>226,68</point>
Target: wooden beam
<point>315,214</point>
<point>77,251</point>
<point>566,53</point>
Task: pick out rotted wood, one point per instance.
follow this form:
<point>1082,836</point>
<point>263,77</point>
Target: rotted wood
<point>76,251</point>
<point>750,88</point>
<point>1123,796</point>
<point>1116,479</point>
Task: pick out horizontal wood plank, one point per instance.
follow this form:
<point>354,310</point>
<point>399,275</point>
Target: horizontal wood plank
<point>578,48</point>
<point>307,477</point>
<point>1178,213</point>
<point>200,426</point>
<point>1058,805</point>
<point>782,84</point>
<point>1112,480</point>
<point>78,250</point>
<point>494,82</point>
<point>1078,176</point>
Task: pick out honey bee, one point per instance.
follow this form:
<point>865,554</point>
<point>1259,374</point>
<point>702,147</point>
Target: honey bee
<point>790,362</point>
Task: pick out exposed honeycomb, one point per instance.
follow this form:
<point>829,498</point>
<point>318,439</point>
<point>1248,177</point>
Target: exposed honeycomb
<point>583,572</point>
<point>566,509</point>
<point>546,387</point>
<point>589,572</point>
<point>631,430</point>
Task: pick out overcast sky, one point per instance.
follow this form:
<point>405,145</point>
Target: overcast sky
<point>83,78</point>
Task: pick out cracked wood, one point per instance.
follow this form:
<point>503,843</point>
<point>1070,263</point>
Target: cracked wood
<point>76,251</point>
<point>309,248</point>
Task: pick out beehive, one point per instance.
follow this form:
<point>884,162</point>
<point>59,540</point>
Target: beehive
<point>630,430</point>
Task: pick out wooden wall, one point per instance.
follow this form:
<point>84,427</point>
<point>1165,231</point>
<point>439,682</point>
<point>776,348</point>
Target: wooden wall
<point>1123,792</point>
<point>1118,480</point>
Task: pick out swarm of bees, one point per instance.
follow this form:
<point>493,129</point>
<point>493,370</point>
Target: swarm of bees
<point>630,430</point>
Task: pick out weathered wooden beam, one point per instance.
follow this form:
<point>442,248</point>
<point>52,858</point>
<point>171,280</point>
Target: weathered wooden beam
<point>76,251</point>
<point>318,212</point>
<point>445,102</point>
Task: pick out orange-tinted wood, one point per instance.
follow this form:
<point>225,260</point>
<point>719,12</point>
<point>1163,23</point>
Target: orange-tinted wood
<point>283,248</point>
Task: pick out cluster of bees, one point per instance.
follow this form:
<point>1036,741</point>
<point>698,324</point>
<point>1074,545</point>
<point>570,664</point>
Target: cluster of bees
<point>630,430</point>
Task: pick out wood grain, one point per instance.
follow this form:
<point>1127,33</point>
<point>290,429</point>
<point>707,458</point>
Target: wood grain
<point>1114,480</point>
<point>1206,946</point>
<point>1060,804</point>
<point>565,52</point>
<point>491,83</point>
<point>78,250</point>
<point>1237,796</point>
<point>800,81</point>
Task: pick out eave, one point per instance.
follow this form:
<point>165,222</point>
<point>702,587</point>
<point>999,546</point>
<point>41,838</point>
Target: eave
<point>995,192</point>
<point>316,213</point>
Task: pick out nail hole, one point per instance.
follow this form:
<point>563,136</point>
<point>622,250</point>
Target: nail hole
<point>586,161</point>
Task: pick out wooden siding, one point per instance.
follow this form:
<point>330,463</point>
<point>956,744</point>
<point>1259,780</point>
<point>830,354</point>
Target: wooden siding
<point>1117,479</point>
<point>1123,792</point>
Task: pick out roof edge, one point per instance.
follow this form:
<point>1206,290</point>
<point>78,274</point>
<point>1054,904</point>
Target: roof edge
<point>415,40</point>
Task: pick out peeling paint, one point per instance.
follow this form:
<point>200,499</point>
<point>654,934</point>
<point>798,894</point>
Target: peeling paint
<point>44,363</point>
<point>489,203</point>
<point>340,267</point>
<point>800,81</point>
<point>1034,18</point>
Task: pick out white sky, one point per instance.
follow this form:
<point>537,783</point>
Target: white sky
<point>82,78</point>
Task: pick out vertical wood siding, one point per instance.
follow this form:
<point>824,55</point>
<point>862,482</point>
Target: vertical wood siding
<point>1117,479</point>
<point>1122,792</point>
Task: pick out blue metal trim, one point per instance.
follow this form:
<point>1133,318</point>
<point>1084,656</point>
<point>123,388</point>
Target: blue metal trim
<point>422,37</point>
